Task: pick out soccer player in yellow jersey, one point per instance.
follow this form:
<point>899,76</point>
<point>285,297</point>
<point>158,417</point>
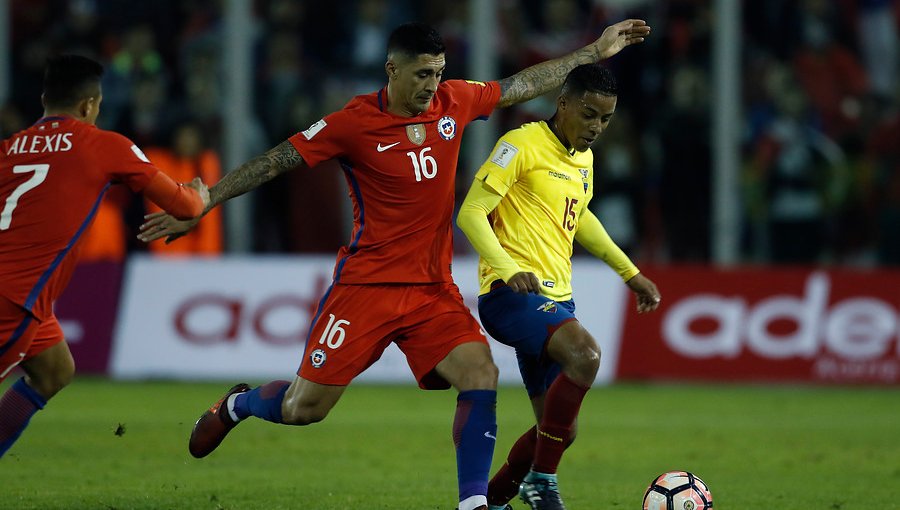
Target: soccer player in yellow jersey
<point>526,207</point>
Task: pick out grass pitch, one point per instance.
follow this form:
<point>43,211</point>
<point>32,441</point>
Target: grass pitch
<point>388,447</point>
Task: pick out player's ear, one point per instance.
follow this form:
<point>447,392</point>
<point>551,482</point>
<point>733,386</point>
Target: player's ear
<point>390,67</point>
<point>85,107</point>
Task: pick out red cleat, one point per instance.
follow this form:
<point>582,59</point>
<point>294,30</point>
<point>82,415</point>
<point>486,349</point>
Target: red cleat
<point>213,425</point>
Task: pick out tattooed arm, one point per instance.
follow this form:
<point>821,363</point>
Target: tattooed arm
<point>544,77</point>
<point>254,173</point>
<point>244,178</point>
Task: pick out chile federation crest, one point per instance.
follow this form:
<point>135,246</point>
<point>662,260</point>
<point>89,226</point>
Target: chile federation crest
<point>447,127</point>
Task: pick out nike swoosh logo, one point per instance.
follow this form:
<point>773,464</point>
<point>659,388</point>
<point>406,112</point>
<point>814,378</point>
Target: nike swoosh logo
<point>490,436</point>
<point>382,148</point>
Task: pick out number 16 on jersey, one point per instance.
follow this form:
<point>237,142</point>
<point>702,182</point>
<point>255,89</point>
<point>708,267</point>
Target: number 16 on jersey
<point>423,164</point>
<point>333,335</point>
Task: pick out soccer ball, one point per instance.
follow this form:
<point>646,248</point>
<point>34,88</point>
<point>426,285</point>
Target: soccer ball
<point>677,490</point>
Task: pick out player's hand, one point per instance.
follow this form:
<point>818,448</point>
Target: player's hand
<point>624,33</point>
<point>201,188</point>
<point>646,293</point>
<point>160,224</point>
<point>524,282</point>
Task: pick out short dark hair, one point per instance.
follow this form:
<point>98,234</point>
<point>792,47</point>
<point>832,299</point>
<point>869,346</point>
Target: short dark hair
<point>590,78</point>
<point>70,78</point>
<point>413,39</point>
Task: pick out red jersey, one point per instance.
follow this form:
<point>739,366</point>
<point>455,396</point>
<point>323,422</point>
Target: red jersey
<point>52,177</point>
<point>401,172</point>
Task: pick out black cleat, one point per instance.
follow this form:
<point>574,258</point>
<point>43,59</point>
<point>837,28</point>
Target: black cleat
<point>213,425</point>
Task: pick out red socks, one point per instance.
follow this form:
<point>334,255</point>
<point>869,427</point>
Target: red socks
<point>504,485</point>
<point>561,405</point>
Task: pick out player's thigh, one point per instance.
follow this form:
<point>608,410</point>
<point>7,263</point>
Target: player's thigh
<point>353,326</point>
<point>17,330</point>
<point>469,366</point>
<point>444,344</point>
<point>526,322</point>
<point>571,345</point>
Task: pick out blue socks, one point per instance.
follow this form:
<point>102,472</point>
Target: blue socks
<point>474,434</point>
<point>263,401</point>
<point>17,406</point>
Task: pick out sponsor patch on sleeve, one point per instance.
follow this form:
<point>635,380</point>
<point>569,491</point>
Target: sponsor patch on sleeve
<point>139,153</point>
<point>504,153</point>
<point>315,128</point>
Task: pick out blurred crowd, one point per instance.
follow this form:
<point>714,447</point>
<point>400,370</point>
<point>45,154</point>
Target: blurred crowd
<point>820,139</point>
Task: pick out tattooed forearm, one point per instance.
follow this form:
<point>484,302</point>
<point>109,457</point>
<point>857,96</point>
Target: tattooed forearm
<point>544,77</point>
<point>255,172</point>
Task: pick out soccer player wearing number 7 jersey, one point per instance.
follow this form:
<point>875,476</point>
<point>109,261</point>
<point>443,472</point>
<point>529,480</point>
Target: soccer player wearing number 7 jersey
<point>398,148</point>
<point>527,206</point>
<point>52,177</point>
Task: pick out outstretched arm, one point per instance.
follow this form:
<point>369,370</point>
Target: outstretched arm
<point>255,172</point>
<point>541,78</point>
<point>244,178</point>
<point>594,237</point>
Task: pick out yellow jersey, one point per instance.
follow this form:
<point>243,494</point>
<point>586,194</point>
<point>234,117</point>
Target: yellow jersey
<point>545,187</point>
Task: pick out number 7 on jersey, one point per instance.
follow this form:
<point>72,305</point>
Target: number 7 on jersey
<point>40,173</point>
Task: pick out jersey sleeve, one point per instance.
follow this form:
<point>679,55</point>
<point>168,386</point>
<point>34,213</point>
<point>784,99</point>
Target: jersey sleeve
<point>480,97</point>
<point>179,201</point>
<point>506,162</point>
<point>596,240</point>
<point>323,140</point>
<point>473,221</point>
<point>125,162</point>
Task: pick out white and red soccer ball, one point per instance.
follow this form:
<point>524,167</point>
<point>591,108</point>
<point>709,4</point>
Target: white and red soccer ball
<point>677,490</point>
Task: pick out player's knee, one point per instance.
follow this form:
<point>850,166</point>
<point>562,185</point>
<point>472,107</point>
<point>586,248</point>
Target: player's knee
<point>584,363</point>
<point>481,375</point>
<point>49,383</point>
<point>296,413</point>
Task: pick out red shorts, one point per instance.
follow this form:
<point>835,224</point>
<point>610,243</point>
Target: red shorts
<point>22,337</point>
<point>356,323</point>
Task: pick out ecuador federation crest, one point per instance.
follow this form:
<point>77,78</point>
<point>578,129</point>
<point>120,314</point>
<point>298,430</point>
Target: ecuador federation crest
<point>416,133</point>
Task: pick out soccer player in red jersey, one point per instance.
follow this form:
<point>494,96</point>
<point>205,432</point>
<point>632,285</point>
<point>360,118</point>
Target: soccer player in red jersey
<point>52,177</point>
<point>398,148</point>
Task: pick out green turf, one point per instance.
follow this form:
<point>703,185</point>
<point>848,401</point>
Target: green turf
<point>390,447</point>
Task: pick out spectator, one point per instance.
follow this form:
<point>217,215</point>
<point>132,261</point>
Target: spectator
<point>186,158</point>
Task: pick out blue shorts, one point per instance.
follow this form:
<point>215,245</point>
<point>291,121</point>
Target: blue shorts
<point>526,322</point>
